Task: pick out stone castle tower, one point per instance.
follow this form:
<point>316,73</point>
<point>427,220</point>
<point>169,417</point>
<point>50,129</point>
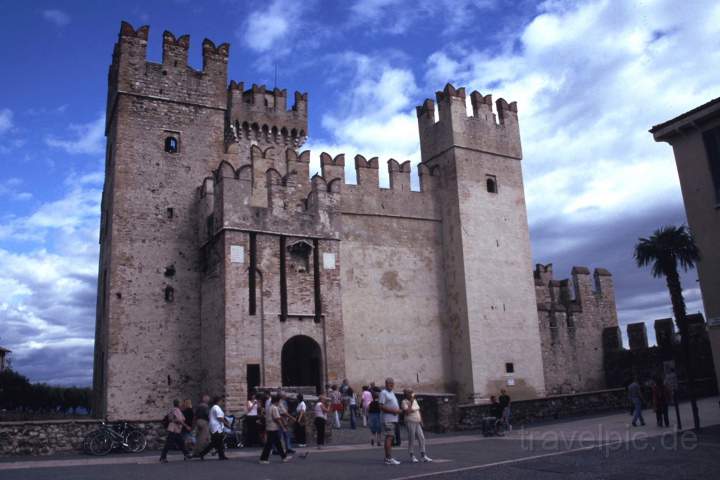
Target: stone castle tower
<point>224,266</point>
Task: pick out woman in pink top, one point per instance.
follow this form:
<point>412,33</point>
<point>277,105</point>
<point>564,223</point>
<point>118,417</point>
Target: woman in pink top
<point>365,403</point>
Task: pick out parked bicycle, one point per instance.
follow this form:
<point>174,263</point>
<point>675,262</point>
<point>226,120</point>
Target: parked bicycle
<point>109,437</point>
<point>494,427</point>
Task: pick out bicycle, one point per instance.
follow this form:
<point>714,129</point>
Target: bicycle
<point>494,427</point>
<point>108,437</point>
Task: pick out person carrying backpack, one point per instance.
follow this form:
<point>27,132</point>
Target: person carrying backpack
<point>174,422</point>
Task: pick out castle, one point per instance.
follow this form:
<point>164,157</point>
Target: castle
<point>224,266</point>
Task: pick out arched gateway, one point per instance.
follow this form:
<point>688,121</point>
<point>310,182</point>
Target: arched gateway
<point>302,363</point>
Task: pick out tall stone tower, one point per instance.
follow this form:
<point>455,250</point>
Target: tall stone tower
<point>492,314</point>
<point>164,132</point>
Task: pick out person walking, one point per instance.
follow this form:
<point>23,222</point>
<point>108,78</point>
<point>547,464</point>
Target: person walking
<point>202,428</point>
<point>287,418</point>
<point>274,424</point>
<point>352,407</point>
<point>506,413</point>
<point>335,405</point>
<point>251,421</point>
<point>374,418</point>
<point>262,434</point>
<point>413,422</point>
<point>175,424</point>
<point>189,414</point>
<point>344,398</point>
<point>217,434</point>
<point>635,396</point>
<point>661,398</point>
<point>390,417</point>
<point>300,419</point>
<point>321,411</point>
<point>365,400</point>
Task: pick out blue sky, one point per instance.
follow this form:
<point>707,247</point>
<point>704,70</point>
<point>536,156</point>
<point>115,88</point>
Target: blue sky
<point>590,78</point>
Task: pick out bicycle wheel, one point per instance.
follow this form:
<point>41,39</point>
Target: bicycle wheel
<point>87,439</point>
<point>135,441</point>
<point>500,427</point>
<point>101,444</point>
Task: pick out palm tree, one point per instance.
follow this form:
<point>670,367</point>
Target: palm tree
<point>666,248</point>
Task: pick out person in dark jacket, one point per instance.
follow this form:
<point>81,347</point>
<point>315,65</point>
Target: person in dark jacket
<point>661,398</point>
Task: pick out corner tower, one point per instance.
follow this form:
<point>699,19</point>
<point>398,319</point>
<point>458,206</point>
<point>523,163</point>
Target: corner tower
<point>164,128</point>
<point>495,339</point>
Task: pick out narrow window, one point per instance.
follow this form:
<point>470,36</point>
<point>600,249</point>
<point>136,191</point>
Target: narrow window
<point>283,280</point>
<point>169,294</point>
<point>509,367</point>
<point>171,145</point>
<point>491,183</point>
<point>210,224</point>
<point>316,281</point>
<point>252,307</point>
<point>712,147</point>
<point>170,212</point>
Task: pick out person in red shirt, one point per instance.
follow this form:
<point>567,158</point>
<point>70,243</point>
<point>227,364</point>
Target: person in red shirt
<point>661,398</point>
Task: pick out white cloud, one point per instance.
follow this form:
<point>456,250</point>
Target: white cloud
<point>376,116</point>
<point>266,28</point>
<point>6,120</point>
<point>10,188</point>
<point>590,79</point>
<point>47,287</point>
<point>58,17</point>
<point>88,138</point>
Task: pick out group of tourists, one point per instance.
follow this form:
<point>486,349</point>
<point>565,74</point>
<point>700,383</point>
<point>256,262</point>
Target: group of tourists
<point>208,423</point>
<point>268,421</point>
<point>661,397</point>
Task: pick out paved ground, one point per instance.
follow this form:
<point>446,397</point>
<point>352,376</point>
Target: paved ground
<point>602,447</point>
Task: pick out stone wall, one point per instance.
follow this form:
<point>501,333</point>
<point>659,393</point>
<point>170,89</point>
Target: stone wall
<point>48,437</point>
<point>572,315</point>
<point>548,408</point>
<point>647,362</point>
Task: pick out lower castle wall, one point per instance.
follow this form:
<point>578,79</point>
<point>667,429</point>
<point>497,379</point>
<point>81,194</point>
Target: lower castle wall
<point>392,299</point>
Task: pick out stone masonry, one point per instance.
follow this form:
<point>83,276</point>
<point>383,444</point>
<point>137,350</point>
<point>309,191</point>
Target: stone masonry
<point>573,314</point>
<point>225,266</point>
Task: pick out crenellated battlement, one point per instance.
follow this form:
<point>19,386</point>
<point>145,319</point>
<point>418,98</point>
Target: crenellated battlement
<point>261,114</point>
<point>173,79</point>
<point>479,129</point>
<point>574,294</point>
<point>573,314</point>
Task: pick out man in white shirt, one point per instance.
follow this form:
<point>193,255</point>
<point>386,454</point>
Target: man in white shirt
<point>390,417</point>
<point>217,435</point>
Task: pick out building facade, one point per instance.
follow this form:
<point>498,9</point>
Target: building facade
<point>695,139</point>
<point>224,266</point>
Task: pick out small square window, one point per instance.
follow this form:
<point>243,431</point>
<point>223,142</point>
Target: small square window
<point>509,367</point>
<point>171,144</point>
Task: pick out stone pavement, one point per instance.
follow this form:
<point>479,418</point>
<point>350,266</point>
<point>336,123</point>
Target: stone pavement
<point>603,443</point>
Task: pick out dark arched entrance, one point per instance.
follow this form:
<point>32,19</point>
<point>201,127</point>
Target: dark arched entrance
<point>302,363</point>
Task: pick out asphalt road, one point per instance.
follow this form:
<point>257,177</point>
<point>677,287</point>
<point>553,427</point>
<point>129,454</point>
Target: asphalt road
<point>670,456</point>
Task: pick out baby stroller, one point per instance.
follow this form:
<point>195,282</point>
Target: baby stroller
<point>233,435</point>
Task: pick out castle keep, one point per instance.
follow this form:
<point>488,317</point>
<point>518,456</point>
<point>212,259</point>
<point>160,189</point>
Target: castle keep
<point>224,266</point>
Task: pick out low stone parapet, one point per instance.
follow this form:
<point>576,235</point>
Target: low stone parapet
<point>548,408</point>
<point>47,437</point>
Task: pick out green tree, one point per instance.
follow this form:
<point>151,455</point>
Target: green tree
<point>663,251</point>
